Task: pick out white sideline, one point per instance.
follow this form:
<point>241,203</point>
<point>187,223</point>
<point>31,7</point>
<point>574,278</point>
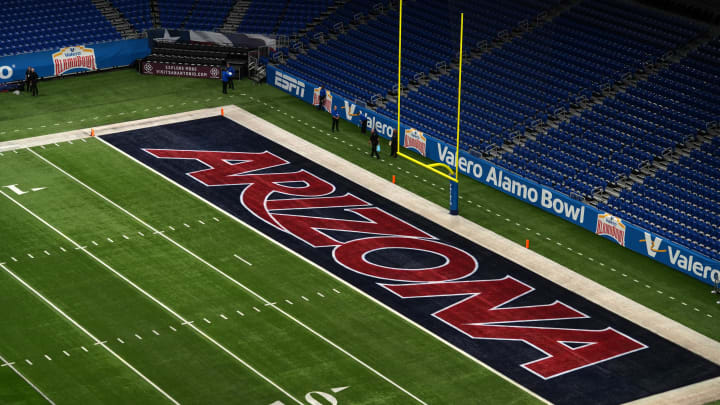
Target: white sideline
<point>146,294</point>
<point>231,279</point>
<point>10,365</point>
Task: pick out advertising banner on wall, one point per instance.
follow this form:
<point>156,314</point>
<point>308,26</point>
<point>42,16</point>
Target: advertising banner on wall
<point>73,59</point>
<point>547,199</point>
<point>181,70</point>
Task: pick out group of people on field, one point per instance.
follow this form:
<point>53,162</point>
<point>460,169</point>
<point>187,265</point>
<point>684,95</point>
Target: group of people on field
<point>374,140</point>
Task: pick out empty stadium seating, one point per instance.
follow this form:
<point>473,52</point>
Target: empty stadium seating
<point>194,14</point>
<point>681,202</point>
<point>137,12</point>
<point>281,16</point>
<point>34,25</point>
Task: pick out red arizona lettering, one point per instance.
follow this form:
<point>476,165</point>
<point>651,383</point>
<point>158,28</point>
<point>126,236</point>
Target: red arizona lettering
<point>221,172</point>
<point>380,223</point>
<point>254,197</point>
<point>352,255</point>
<point>479,316</point>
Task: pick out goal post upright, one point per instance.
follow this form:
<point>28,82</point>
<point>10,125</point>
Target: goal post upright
<point>452,175</point>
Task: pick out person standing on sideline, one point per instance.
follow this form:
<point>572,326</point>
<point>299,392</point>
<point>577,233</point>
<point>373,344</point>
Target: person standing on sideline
<point>363,121</point>
<point>321,97</point>
<point>27,78</point>
<point>394,144</point>
<point>363,124</point>
<point>33,82</point>
<point>336,119</point>
<point>231,70</point>
<point>374,144</point>
<point>225,78</point>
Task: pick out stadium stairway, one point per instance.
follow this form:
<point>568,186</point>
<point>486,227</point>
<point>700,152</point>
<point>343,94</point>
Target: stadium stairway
<point>675,155</point>
<point>237,12</point>
<point>117,20</point>
<point>155,13</point>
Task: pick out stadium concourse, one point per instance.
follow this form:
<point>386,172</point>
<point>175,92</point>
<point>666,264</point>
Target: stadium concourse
<point>242,253</point>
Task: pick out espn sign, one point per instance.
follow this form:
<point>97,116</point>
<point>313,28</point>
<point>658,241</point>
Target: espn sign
<point>290,84</point>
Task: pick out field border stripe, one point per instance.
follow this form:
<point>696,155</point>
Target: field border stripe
<point>10,365</point>
<point>349,285</point>
<point>234,281</point>
<point>77,325</point>
<point>153,299</point>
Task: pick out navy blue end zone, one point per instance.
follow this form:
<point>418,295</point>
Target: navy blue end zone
<point>419,268</point>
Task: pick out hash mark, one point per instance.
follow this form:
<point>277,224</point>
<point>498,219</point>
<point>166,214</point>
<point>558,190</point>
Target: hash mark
<point>206,320</point>
<point>30,256</point>
<point>256,309</point>
<point>305,298</point>
<point>223,317</point>
<point>173,329</point>
<point>46,252</point>
<point>121,341</point>
<point>66,353</point>
<point>63,249</point>
<point>336,290</point>
<point>48,357</point>
<point>240,313</point>
<point>28,362</point>
<point>320,294</point>
<point>94,243</point>
<point>100,343</point>
<point>138,336</point>
<point>289,302</point>
<point>84,349</point>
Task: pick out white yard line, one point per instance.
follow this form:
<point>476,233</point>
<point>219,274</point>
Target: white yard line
<point>149,296</point>
<point>5,363</point>
<point>226,276</point>
<point>77,325</point>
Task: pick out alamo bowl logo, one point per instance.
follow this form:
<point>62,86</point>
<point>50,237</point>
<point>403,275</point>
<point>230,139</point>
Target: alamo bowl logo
<point>415,139</point>
<point>72,58</point>
<point>612,227</point>
<point>214,73</point>
<point>148,67</point>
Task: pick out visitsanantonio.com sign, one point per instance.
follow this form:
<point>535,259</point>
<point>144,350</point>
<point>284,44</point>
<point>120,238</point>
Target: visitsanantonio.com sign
<point>180,70</point>
<point>547,199</point>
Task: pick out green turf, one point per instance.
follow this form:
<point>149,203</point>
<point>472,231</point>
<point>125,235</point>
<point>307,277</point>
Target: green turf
<point>119,93</point>
<point>184,363</point>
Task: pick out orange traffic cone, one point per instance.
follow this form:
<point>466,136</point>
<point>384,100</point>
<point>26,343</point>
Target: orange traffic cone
<point>92,132</point>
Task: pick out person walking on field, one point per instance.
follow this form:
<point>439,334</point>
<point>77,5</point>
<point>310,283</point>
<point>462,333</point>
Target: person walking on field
<point>231,71</point>
<point>321,97</point>
<point>225,79</point>
<point>27,78</point>
<point>336,119</point>
<point>33,82</point>
<point>374,144</point>
<point>394,144</point>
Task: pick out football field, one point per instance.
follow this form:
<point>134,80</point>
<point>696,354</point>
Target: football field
<point>146,267</point>
<point>119,287</point>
